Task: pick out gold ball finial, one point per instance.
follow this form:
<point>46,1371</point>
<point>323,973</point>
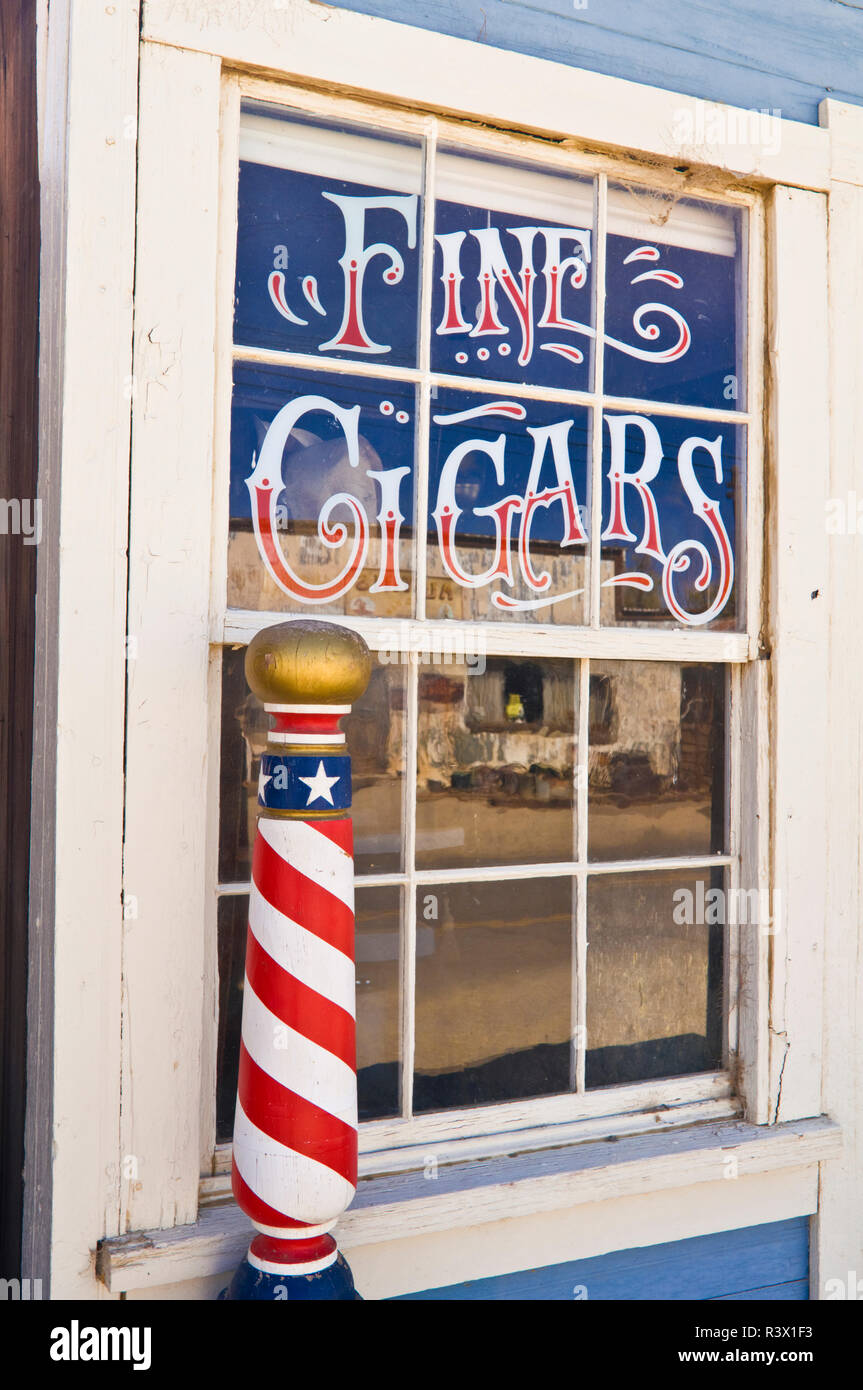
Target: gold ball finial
<point>305,662</point>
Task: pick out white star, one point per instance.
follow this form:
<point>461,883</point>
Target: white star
<point>262,783</point>
<point>319,785</point>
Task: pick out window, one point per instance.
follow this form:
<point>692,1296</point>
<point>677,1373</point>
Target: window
<point>492,413</point>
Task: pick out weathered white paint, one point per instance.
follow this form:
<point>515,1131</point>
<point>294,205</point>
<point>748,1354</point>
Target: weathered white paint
<point>619,644</point>
<point>732,1167</point>
<point>320,44</point>
<point>799,608</point>
<point>838,1237</point>
<point>169,589</point>
<point>87,165</point>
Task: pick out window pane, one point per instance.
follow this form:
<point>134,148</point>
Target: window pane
<point>654,976</point>
<point>495,763</point>
<point>321,501</point>
<point>327,240</point>
<point>378,945</point>
<point>672,522</point>
<point>513,286</point>
<point>375,739</point>
<point>675,302</point>
<point>378,935</point>
<point>656,784</point>
<point>508,509</point>
<point>233,921</point>
<point>493,1008</point>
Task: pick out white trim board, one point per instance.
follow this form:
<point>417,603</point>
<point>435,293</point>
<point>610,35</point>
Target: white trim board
<point>732,1168</point>
<point>87,171</point>
<point>320,44</point>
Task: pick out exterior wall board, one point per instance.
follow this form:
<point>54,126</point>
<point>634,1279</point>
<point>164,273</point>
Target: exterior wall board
<point>758,1262</point>
<point>685,57</point>
<point>743,53</point>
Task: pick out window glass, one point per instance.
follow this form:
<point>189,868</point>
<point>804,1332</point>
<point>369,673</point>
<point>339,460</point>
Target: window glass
<point>513,296</point>
<point>321,489</point>
<point>490,452</point>
<point>496,756</point>
<point>674,299</point>
<point>327,244</point>
<point>494,1009</point>
<point>508,508</point>
<point>378,956</point>
<point>654,976</point>
<point>657,760</point>
<point>672,507</point>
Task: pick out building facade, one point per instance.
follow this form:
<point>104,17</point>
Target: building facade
<point>548,328</point>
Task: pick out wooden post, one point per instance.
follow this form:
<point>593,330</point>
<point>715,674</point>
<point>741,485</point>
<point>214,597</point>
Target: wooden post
<point>295,1131</point>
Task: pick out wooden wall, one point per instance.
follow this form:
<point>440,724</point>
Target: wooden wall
<point>769,1263</point>
<point>782,57</point>
<point>19,303</point>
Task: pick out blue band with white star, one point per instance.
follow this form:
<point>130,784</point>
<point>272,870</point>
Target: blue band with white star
<point>299,782</point>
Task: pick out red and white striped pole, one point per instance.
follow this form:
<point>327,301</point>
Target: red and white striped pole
<point>295,1130</point>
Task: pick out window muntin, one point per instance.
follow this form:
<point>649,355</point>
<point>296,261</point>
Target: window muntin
<point>715,231</point>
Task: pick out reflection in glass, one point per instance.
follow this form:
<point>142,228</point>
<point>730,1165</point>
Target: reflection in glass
<point>378,946</point>
<point>493,981</point>
<point>654,976</point>
<point>321,493</point>
<point>657,760</point>
<point>375,739</point>
<point>495,763</point>
<point>233,919</point>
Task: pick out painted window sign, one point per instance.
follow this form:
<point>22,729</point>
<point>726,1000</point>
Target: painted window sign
<point>502,405</point>
<point>331,488</point>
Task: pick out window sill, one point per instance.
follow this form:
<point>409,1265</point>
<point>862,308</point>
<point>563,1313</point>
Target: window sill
<point>408,1205</point>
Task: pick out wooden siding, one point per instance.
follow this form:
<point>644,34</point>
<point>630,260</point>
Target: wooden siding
<point>758,1262</point>
<point>19,307</point>
<point>780,58</point>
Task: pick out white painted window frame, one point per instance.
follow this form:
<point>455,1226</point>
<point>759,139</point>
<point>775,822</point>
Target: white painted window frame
<point>190,56</point>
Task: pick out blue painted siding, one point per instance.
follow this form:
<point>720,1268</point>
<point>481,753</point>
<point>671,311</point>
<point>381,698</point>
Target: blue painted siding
<point>759,54</point>
<point>768,1262</point>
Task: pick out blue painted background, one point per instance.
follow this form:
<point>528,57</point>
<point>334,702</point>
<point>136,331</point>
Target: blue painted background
<point>779,55</point>
<point>759,1262</point>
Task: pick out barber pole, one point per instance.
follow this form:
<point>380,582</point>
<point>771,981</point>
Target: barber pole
<point>295,1132</point>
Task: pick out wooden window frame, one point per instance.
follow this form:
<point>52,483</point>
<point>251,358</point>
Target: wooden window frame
<point>538,1121</point>
<point>706,1097</point>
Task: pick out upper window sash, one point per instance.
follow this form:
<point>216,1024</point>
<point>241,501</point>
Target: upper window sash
<point>660,482</point>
